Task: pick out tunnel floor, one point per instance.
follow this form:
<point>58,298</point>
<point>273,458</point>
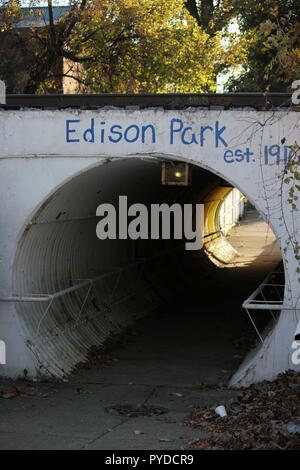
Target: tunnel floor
<point>177,358</point>
<point>202,338</point>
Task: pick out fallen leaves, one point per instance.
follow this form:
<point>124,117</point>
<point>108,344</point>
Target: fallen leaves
<point>12,393</point>
<point>261,418</point>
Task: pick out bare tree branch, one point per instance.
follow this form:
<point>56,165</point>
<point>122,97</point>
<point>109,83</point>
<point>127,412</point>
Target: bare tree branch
<point>74,58</point>
<point>51,23</point>
<point>73,22</point>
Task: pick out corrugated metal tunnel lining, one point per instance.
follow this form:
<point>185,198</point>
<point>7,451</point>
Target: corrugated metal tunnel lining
<point>59,249</point>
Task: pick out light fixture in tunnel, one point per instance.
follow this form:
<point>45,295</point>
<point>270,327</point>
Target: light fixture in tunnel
<point>175,174</point>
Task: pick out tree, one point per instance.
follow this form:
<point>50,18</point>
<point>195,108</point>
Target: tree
<point>271,31</point>
<point>51,45</point>
<point>119,46</point>
<point>282,41</point>
<point>211,15</point>
<point>16,59</point>
<point>150,45</point>
<point>147,46</point>
<point>215,17</point>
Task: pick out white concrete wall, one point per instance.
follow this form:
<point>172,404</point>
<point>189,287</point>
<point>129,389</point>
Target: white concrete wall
<point>42,150</point>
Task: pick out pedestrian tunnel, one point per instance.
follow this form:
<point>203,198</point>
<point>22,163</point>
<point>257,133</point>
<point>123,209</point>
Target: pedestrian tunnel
<point>75,291</point>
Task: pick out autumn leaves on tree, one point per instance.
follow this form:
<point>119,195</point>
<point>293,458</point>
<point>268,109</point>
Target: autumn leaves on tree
<point>134,46</point>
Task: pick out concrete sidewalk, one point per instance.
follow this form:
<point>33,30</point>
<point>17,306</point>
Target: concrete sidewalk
<point>60,416</point>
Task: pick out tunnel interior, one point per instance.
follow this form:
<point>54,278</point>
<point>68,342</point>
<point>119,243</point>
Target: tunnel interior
<point>121,281</point>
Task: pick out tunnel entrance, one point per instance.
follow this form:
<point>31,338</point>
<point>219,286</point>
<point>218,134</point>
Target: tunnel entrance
<point>81,291</point>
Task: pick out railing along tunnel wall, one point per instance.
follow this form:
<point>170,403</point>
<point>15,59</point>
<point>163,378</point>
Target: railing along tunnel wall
<point>62,290</point>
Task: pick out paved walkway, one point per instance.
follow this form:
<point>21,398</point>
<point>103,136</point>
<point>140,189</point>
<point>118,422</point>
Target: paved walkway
<point>176,359</point>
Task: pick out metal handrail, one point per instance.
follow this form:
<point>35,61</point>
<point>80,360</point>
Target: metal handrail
<point>86,282</point>
<point>252,304</point>
<point>225,227</point>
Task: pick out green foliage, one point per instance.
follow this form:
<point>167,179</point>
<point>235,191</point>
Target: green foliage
<point>10,13</point>
<point>211,15</point>
<point>282,41</point>
<point>153,46</point>
<point>272,59</point>
<point>121,46</point>
<point>16,56</point>
<point>291,177</point>
<point>147,46</point>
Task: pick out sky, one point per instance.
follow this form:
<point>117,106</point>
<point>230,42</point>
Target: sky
<point>40,3</point>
